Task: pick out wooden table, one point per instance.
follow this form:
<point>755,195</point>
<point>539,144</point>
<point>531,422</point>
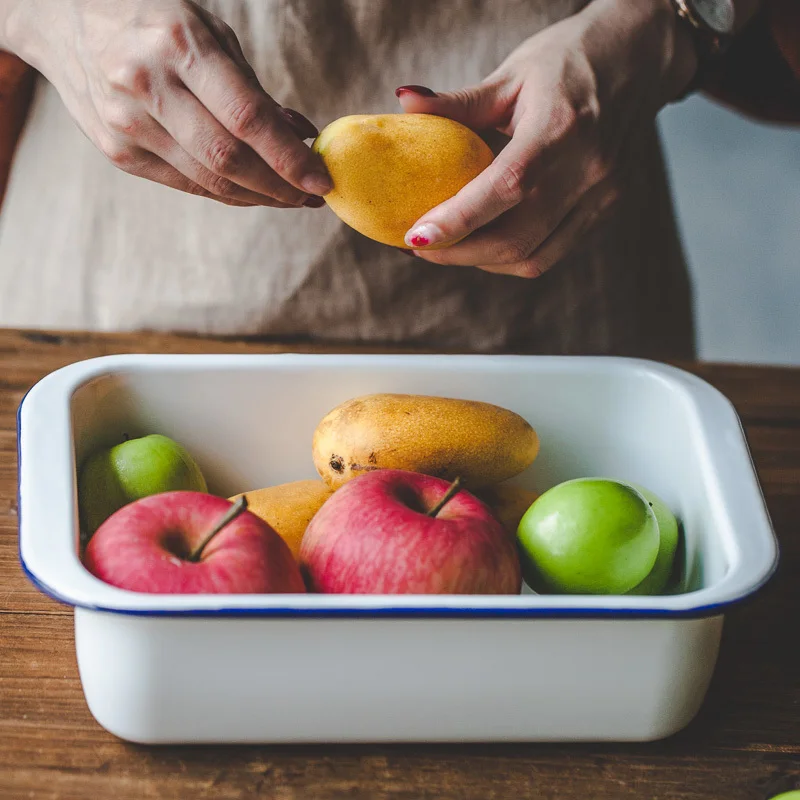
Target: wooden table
<point>744,745</point>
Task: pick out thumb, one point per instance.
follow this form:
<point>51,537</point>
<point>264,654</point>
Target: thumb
<point>485,106</point>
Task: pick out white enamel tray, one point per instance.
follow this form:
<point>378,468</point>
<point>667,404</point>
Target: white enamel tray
<point>275,668</point>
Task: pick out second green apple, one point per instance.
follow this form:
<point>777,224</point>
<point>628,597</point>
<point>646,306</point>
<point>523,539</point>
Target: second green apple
<point>658,578</point>
<point>130,470</point>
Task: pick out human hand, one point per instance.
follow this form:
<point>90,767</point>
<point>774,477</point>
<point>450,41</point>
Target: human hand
<point>163,89</point>
<point>569,98</point>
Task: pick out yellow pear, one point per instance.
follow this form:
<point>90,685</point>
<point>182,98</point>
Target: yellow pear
<point>288,508</point>
<point>479,442</point>
<point>388,170</point>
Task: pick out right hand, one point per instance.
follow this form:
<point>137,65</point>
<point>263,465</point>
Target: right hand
<point>163,89</point>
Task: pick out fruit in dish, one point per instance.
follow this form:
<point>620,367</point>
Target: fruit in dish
<point>418,494</point>
<point>288,508</point>
<point>189,543</point>
<point>115,476</point>
<point>397,532</point>
<point>480,443</point>
<point>588,536</point>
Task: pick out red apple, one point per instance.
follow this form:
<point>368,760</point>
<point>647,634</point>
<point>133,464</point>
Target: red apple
<point>149,546</point>
<point>375,535</point>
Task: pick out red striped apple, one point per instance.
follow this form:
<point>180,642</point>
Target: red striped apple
<point>398,532</point>
<point>190,543</point>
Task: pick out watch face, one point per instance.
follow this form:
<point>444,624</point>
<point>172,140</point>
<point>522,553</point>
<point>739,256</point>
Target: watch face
<point>717,14</point>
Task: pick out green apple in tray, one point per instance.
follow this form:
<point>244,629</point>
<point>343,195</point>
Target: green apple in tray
<point>135,468</point>
<point>597,536</point>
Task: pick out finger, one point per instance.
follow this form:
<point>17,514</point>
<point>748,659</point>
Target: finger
<point>198,133</point>
<point>566,239</point>
<point>302,126</point>
<point>507,240</point>
<point>487,105</point>
<point>559,244</point>
<point>251,116</point>
<point>542,143</point>
<point>151,167</point>
<point>215,185</point>
<point>228,40</point>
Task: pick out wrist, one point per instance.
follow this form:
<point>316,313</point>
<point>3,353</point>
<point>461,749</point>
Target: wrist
<point>648,44</point>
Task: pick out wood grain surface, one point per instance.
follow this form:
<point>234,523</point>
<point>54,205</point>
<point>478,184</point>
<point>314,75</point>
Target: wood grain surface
<point>744,745</point>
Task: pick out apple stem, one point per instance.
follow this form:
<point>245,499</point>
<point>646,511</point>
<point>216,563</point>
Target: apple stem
<point>452,491</point>
<point>229,516</point>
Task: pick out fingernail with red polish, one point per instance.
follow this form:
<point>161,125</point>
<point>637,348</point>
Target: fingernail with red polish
<point>314,202</point>
<point>425,235</point>
<point>302,126</point>
<point>422,91</point>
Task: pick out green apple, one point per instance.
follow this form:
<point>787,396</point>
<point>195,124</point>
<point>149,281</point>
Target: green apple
<point>794,795</point>
<point>588,536</point>
<point>136,468</point>
<point>656,581</point>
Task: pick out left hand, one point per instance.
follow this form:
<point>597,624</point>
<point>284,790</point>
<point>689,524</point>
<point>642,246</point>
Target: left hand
<point>569,98</point>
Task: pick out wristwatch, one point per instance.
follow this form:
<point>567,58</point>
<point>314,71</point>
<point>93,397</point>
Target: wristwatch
<point>711,23</point>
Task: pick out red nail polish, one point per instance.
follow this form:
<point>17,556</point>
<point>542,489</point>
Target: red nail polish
<point>302,126</point>
<point>314,202</point>
<point>422,91</point>
<point>420,241</point>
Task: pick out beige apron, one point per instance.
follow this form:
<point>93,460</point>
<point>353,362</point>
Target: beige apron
<point>85,246</point>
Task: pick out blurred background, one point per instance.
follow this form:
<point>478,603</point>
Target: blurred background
<point>737,193</point>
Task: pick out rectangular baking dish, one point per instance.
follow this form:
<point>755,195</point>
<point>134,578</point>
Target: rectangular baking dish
<point>322,668</point>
